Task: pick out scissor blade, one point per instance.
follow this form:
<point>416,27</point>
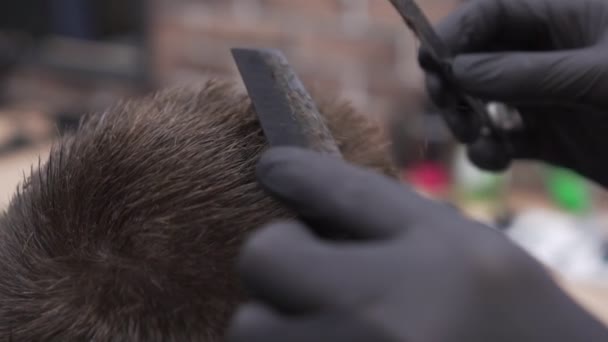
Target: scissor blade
<point>287,113</point>
<point>420,25</point>
<point>468,124</point>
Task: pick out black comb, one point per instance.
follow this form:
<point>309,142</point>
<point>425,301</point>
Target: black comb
<point>287,113</point>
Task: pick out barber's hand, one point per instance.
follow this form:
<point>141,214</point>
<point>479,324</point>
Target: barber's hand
<point>549,58</point>
<point>413,270</point>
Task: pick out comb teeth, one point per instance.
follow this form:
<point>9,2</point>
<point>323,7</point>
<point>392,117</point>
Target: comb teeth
<point>287,113</point>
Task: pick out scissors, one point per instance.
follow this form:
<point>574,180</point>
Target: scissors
<point>475,120</point>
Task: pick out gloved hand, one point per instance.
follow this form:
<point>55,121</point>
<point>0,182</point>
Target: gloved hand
<point>413,270</point>
<point>548,58</point>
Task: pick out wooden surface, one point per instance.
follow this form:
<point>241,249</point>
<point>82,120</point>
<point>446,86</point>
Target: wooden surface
<point>594,297</point>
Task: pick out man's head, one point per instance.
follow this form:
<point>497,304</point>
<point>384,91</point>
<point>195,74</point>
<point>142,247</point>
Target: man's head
<point>129,232</point>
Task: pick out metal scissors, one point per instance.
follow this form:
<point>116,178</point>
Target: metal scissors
<point>476,120</point>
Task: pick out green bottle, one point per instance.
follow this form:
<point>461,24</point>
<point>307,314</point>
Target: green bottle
<point>568,190</point>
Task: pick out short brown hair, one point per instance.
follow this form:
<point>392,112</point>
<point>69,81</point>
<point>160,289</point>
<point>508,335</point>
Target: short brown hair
<point>129,231</point>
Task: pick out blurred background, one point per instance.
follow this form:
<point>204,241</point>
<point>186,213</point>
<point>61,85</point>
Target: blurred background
<point>62,58</point>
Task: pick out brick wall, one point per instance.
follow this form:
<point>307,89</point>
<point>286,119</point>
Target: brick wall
<point>359,48</point>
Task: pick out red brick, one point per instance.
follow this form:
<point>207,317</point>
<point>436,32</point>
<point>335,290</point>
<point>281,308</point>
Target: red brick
<point>247,10</point>
<point>184,75</point>
<point>206,53</point>
<point>380,108</point>
<point>317,82</point>
<point>223,26</point>
<point>215,5</point>
<point>341,48</point>
<point>437,10</point>
<point>355,16</point>
<point>383,80</point>
<point>382,10</point>
<point>196,40</point>
<point>206,43</point>
<point>165,40</point>
<point>310,8</point>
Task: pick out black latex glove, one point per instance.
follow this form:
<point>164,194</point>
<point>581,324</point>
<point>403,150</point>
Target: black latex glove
<point>414,271</point>
<point>549,58</point>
